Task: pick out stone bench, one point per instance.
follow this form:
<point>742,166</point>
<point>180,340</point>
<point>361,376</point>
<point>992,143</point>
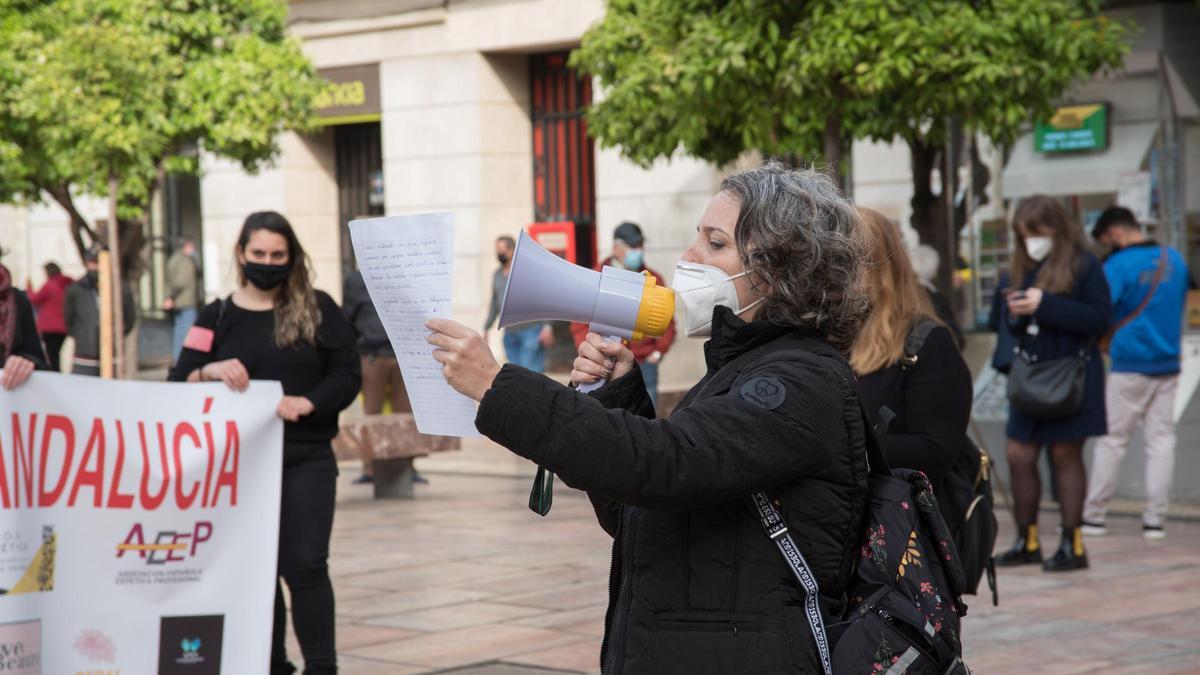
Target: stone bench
<point>394,442</point>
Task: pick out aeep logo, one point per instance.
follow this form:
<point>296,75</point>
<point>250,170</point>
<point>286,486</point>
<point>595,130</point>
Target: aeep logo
<point>168,546</point>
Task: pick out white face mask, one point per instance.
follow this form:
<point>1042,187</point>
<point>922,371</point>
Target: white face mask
<point>701,288</point>
<point>1038,247</point>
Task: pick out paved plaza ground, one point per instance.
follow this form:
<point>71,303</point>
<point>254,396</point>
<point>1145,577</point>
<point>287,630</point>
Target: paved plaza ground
<point>466,579</point>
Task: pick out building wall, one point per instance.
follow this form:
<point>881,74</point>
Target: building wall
<point>456,130</point>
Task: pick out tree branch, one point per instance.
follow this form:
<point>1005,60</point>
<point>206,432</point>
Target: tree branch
<point>62,195</point>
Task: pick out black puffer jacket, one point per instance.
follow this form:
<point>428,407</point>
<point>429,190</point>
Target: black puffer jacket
<point>696,585</point>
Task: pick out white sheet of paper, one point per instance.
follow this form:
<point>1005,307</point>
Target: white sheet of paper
<point>408,265</point>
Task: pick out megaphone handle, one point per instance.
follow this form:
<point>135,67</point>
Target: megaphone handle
<point>585,387</point>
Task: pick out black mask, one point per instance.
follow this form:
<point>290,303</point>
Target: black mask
<point>265,277</point>
<point>503,258</point>
<point>93,276</point>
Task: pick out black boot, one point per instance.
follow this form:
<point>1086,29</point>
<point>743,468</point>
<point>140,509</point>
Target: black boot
<point>1025,550</point>
<point>1070,555</point>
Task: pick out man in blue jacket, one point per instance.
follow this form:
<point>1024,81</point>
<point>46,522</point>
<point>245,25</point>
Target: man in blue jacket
<point>1149,284</point>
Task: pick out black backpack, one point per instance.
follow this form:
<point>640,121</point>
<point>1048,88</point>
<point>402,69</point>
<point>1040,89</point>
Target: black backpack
<point>966,500</point>
<point>904,604</point>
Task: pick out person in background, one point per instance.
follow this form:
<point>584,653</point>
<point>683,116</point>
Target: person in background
<point>925,263</point>
<point>183,290</point>
<point>275,326</point>
<point>1060,308</point>
<point>20,349</point>
<point>1149,284</point>
<point>48,301</point>
<point>381,377</point>
<point>524,345</point>
<point>81,313</point>
<point>629,254</point>
<point>931,394</point>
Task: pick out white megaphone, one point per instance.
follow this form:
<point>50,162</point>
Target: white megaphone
<point>615,303</point>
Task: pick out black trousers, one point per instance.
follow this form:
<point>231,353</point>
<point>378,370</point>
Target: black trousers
<point>54,344</point>
<point>305,522</point>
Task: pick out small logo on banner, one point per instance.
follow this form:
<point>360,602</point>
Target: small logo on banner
<point>21,648</point>
<point>95,646</point>
<point>168,546</point>
<point>190,645</point>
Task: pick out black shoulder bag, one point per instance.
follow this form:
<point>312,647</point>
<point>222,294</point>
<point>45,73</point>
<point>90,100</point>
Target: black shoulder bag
<point>1048,389</point>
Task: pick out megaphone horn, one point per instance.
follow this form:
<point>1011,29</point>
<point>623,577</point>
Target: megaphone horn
<point>544,287</point>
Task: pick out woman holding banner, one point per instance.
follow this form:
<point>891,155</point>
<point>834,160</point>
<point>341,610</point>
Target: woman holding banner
<point>20,348</point>
<point>275,326</point>
<point>774,278</point>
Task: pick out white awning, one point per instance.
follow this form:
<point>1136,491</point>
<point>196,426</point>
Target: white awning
<point>1028,172</point>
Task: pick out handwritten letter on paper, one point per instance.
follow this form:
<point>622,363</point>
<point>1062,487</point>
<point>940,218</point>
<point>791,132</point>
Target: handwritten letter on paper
<point>408,264</point>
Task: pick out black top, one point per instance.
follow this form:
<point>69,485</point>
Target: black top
<point>360,310</point>
<point>691,563</point>
<point>26,342</point>
<point>328,374</point>
<point>932,402</point>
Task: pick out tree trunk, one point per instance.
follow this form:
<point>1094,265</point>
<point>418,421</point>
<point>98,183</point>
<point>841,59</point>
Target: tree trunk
<point>923,158</point>
<point>929,211</point>
<point>77,224</point>
<point>833,148</point>
<point>118,309</point>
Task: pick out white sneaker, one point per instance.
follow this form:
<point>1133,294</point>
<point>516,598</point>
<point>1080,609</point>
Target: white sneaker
<point>1154,532</point>
<point>1093,529</point>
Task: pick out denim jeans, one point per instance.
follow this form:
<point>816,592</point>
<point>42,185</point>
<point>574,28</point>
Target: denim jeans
<point>184,319</point>
<point>650,375</point>
<point>522,348</point>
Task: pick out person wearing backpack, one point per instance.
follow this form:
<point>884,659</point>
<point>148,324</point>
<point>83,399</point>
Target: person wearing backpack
<point>1056,380</point>
<point>929,391</point>
<point>773,278</point>
<point>1149,284</point>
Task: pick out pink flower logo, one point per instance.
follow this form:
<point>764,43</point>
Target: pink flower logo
<point>96,646</point>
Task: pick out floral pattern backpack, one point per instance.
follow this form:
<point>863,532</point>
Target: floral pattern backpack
<point>905,601</point>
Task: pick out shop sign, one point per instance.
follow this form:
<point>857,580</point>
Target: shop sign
<point>1073,128</point>
<point>350,94</point>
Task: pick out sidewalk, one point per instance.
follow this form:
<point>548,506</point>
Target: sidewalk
<point>466,575</point>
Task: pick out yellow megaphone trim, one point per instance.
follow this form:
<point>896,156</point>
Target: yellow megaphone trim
<point>655,311</point>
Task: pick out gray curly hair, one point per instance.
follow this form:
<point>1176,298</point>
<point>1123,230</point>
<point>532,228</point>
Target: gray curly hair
<point>800,239</point>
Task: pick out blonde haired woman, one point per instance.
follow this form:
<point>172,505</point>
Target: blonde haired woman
<point>275,326</point>
<point>907,360</point>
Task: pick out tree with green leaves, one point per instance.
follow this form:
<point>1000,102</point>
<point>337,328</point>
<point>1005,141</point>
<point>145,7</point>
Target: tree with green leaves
<point>716,78</point>
<point>108,97</point>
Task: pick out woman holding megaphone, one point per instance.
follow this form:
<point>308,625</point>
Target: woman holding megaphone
<point>774,281</point>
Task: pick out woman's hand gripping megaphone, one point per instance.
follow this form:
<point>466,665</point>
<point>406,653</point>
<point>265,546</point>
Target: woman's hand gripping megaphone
<point>600,359</point>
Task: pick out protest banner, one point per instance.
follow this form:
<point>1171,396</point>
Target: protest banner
<point>138,526</point>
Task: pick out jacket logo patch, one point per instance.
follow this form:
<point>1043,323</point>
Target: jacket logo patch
<point>765,392</point>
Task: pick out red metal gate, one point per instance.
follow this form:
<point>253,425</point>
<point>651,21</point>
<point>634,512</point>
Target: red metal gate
<point>563,156</point>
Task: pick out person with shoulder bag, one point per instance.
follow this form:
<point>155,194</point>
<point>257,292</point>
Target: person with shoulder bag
<point>1057,315</point>
<point>275,326</point>
<point>1149,284</point>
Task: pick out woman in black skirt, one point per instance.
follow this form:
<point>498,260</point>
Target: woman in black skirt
<point>276,327</point>
<point>1061,307</point>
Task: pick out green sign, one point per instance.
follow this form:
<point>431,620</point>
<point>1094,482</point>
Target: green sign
<point>1073,128</point>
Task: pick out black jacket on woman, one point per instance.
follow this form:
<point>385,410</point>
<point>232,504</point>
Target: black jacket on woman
<point>696,586</point>
<point>1066,324</point>
<point>328,373</point>
<point>932,402</point>
<point>26,342</point>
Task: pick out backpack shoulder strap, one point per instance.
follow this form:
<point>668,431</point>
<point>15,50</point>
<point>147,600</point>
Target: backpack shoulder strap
<point>916,340</point>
